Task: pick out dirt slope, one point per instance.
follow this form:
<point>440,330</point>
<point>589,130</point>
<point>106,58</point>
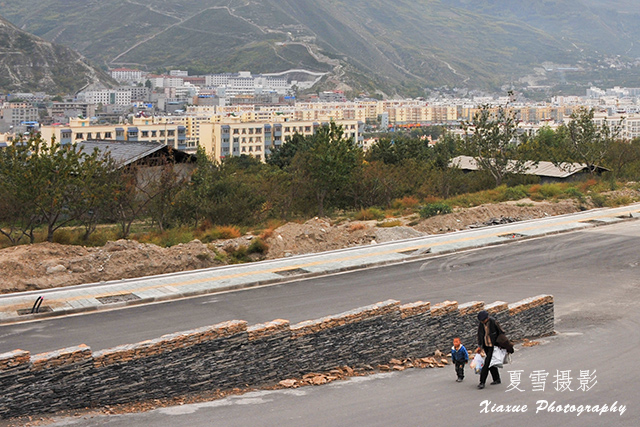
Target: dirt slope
<point>47,265</point>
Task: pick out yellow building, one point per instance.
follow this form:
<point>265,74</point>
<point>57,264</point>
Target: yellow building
<point>256,139</point>
<point>141,130</point>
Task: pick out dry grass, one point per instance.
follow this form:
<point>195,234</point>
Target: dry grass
<point>357,226</point>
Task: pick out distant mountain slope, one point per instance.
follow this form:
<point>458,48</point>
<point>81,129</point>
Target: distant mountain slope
<point>393,45</point>
<point>612,26</point>
<point>29,63</point>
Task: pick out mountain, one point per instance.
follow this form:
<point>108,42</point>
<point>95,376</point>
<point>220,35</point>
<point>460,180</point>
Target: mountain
<point>398,46</point>
<point>29,63</point>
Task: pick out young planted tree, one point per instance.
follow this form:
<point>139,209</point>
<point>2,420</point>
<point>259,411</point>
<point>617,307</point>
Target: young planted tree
<point>18,217</point>
<point>491,139</point>
<point>584,141</point>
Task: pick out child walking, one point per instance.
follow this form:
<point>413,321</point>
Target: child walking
<point>459,357</point>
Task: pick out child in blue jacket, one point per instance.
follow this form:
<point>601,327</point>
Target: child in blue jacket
<point>459,357</point>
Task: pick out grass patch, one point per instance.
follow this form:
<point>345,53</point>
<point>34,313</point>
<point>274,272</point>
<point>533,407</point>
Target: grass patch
<point>612,202</point>
<point>166,238</point>
<point>219,232</point>
<point>389,224</point>
<point>370,214</point>
<point>407,202</point>
<point>356,227</point>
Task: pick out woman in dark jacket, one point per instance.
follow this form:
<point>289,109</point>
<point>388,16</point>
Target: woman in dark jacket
<point>488,331</point>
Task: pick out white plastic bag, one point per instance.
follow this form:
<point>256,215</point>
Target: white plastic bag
<point>507,359</point>
<point>476,363</point>
<point>498,357</point>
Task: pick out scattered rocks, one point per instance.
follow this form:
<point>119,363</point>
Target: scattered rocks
<point>495,221</point>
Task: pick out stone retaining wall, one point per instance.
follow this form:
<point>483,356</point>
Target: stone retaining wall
<point>231,354</point>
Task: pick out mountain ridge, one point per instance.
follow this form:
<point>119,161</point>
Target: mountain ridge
<point>29,63</point>
<point>395,46</point>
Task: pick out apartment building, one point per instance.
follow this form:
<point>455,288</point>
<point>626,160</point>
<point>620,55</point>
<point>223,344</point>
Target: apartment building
<point>224,139</point>
<point>244,83</point>
<point>127,75</point>
<point>628,124</point>
<point>141,130</point>
<point>16,113</point>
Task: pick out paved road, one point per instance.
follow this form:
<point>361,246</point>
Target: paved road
<point>574,267</point>
<point>593,274</point>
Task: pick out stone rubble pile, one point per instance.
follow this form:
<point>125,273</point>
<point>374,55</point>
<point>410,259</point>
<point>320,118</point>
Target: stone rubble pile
<point>343,372</point>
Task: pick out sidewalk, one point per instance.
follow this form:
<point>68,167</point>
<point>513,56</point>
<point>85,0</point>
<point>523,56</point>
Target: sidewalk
<point>120,293</point>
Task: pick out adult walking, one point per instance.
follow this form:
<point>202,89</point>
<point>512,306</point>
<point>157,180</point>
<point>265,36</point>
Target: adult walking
<point>488,331</point>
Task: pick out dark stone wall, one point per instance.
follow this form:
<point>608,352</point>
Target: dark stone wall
<point>231,355</point>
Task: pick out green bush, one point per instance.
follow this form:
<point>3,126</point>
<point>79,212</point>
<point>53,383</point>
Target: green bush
<point>513,193</point>
<point>433,209</point>
<point>550,191</point>
<point>258,246</point>
<point>575,194</point>
<point>599,200</point>
<point>370,214</point>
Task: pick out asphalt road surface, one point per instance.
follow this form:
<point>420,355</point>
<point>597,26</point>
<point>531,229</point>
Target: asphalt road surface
<point>593,275</point>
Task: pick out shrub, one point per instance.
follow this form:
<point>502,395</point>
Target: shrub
<point>549,191</point>
<point>228,232</point>
<point>407,202</point>
<point>613,202</point>
<point>575,194</point>
<point>101,236</point>
<point>370,214</point>
<point>513,193</point>
<point>434,209</point>
<point>586,185</point>
<point>204,256</point>
<point>175,236</point>
<point>220,232</point>
<point>63,236</point>
<point>598,200</point>
<point>258,246</point>
<point>357,226</point>
<point>237,255</point>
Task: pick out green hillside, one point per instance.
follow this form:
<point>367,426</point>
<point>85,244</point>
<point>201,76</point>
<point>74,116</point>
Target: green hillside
<point>396,45</point>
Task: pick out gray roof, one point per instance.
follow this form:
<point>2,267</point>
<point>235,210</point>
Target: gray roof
<point>547,169</point>
<point>124,153</point>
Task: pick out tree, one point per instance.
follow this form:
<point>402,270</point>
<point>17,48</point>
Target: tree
<point>283,155</point>
<point>166,185</point>
<point>328,163</point>
<point>52,185</point>
<point>584,141</point>
<point>491,139</point>
<point>18,217</point>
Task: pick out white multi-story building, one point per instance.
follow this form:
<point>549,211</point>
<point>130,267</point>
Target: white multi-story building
<point>127,75</point>
<point>106,96</point>
<point>244,83</point>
